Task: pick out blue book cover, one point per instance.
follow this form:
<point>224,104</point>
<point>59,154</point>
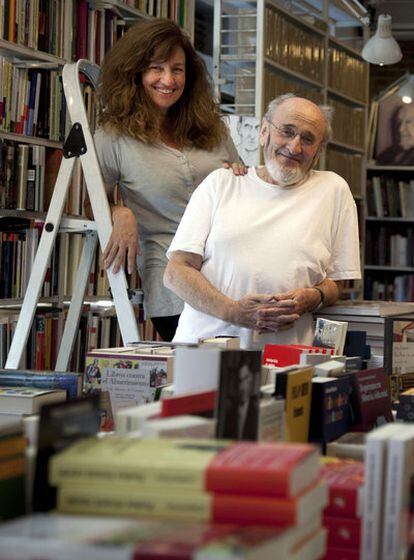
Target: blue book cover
<point>70,382</point>
<point>330,408</point>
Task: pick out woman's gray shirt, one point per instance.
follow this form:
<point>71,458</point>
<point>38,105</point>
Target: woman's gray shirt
<point>156,183</point>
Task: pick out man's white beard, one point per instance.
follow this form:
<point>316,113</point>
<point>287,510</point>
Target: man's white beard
<point>284,176</point>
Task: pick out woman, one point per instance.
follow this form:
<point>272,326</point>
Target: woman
<point>160,136</point>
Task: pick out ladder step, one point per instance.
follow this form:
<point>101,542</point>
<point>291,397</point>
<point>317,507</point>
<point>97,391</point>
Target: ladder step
<point>76,225</point>
<point>246,57</point>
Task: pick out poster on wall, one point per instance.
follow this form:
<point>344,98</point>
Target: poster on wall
<point>244,131</point>
<point>394,143</point>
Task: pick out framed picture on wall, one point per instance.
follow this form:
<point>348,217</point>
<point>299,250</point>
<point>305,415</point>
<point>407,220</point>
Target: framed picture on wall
<point>394,141</point>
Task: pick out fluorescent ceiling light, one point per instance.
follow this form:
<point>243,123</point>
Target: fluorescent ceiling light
<point>382,48</point>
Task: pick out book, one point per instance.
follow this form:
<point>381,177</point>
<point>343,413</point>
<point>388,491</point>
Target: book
<point>337,553</point>
<point>370,403</point>
<point>237,409</point>
<point>282,355</point>
<point>348,446</point>
<point>132,418</point>
<point>110,538</point>
<point>329,368</point>
<point>277,469</point>
<point>188,403</point>
<point>345,480</point>
<point>192,506</point>
<point>398,487</point>
<point>314,359</point>
<point>294,385</point>
<point>60,424</point>
<point>271,420</point>
<point>28,400</point>
<point>129,377</point>
<point>343,532</point>
<point>13,446</point>
<point>407,397</point>
<point>225,342</point>
<point>185,426</point>
<point>329,415</point>
<point>70,382</point>
<point>204,361</point>
<point>375,475</point>
<point>330,334</point>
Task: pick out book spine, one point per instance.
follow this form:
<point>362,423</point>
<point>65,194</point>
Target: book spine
<point>97,500</point>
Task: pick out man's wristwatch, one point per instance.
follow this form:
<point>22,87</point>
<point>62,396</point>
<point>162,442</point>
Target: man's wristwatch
<point>321,303</point>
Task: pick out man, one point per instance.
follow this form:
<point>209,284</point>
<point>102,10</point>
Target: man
<point>255,254</point>
<point>403,132</point>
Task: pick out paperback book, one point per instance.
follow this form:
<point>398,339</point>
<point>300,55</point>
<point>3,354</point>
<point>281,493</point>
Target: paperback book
<point>330,334</point>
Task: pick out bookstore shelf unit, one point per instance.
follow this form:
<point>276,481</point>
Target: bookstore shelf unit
<point>34,46</point>
<point>389,225</point>
<point>265,48</point>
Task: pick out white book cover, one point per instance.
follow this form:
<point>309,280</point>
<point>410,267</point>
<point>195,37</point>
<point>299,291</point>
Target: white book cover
<point>400,471</point>
<point>184,425</point>
<point>375,473</point>
<point>330,334</point>
<point>196,370</point>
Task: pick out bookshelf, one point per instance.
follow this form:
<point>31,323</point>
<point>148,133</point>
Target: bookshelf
<point>266,48</point>
<point>389,224</point>
<point>34,46</point>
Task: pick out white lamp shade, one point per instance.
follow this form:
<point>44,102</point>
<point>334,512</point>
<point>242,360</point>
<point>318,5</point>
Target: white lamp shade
<point>382,48</point>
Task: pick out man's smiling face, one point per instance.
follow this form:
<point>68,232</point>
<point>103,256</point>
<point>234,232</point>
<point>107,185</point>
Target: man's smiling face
<point>292,140</point>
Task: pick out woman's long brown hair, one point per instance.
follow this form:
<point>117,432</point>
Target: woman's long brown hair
<point>126,109</point>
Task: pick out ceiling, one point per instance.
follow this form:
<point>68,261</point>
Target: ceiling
<point>402,13</point>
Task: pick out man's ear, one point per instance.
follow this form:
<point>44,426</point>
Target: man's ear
<point>264,132</point>
<point>318,155</point>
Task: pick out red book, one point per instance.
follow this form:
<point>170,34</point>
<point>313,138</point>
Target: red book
<point>344,532</point>
<point>281,355</point>
<point>277,469</point>
<point>262,510</point>
<point>188,403</point>
<point>345,480</point>
<point>335,553</point>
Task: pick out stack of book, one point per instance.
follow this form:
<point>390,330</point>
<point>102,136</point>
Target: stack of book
<point>244,483</point>
<point>342,516</point>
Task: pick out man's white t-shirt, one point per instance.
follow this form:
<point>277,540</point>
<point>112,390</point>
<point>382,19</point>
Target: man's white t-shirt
<point>258,238</point>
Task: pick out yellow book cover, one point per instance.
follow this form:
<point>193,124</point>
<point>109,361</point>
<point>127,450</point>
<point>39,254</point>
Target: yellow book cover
<point>295,386</point>
<point>181,463</point>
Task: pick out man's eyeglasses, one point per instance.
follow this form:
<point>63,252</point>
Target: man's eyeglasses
<point>289,132</point>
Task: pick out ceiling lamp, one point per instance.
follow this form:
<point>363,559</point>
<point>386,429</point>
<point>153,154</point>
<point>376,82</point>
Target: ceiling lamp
<point>382,48</point>
<point>406,91</point>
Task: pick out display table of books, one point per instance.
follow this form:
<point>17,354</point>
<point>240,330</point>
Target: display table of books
<point>162,451</point>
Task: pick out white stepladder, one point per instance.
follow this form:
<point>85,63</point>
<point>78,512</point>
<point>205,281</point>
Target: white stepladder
<point>79,144</point>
